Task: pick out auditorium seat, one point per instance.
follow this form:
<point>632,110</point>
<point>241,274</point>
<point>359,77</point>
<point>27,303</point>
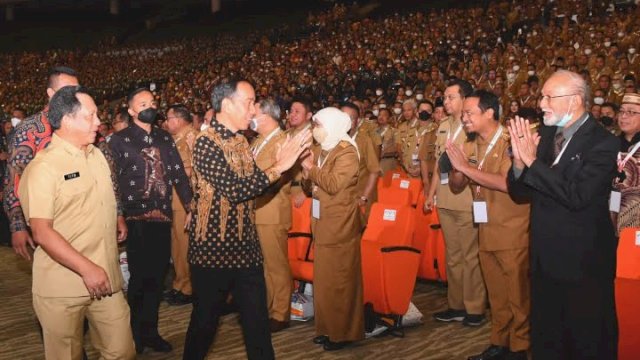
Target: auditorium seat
<point>627,294</point>
<point>429,240</point>
<point>301,243</point>
<point>397,173</point>
<point>389,262</point>
<point>393,194</point>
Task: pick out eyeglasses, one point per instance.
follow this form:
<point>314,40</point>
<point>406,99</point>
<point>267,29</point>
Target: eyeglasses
<point>549,97</point>
<point>622,113</point>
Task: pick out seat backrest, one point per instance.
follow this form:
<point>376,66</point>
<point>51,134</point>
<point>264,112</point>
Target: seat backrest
<point>390,224</point>
<point>628,262</point>
<point>393,195</point>
<point>393,174</point>
<point>414,185</point>
<point>301,218</point>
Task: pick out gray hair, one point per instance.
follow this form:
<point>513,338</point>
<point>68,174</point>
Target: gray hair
<point>271,108</point>
<point>411,103</point>
<point>577,85</point>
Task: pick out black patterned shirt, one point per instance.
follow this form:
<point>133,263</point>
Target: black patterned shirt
<point>147,166</point>
<point>226,181</point>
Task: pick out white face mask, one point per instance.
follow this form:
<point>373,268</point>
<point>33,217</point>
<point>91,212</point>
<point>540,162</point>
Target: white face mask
<point>397,111</point>
<point>576,46</point>
<point>516,67</point>
<point>408,92</point>
<point>617,86</point>
<point>598,100</point>
<point>319,134</point>
<point>382,106</point>
<point>607,43</point>
<point>632,51</point>
<point>511,76</point>
<point>379,92</point>
<point>565,119</point>
<point>531,72</point>
<point>419,97</point>
<point>253,125</point>
<point>587,51</point>
<point>376,112</point>
<point>15,121</point>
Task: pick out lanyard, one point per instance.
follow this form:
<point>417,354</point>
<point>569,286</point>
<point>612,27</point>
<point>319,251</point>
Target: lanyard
<point>455,135</point>
<point>419,137</point>
<point>623,162</point>
<point>486,152</point>
<point>321,164</point>
<point>384,132</point>
<point>566,143</point>
<point>264,143</point>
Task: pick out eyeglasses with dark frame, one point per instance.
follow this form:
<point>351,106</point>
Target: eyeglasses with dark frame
<point>549,97</point>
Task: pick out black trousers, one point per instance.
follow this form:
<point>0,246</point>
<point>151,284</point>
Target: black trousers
<point>573,320</point>
<point>148,252</point>
<point>210,289</point>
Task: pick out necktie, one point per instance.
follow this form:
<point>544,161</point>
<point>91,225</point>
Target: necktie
<point>557,141</point>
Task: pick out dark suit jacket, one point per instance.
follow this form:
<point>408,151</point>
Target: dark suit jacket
<point>572,237</point>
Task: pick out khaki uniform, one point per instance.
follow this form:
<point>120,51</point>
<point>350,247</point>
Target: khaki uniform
<point>337,283</point>
<point>74,189</point>
<point>296,171</point>
<point>466,287</point>
<point>370,128</point>
<point>388,152</point>
<point>369,164</point>
<point>403,130</point>
<point>413,142</point>
<point>273,221</point>
<point>504,249</point>
<point>179,236</point>
<point>427,150</point>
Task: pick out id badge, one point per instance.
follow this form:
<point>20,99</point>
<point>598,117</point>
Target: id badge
<point>480,212</point>
<point>315,208</point>
<point>444,178</point>
<point>614,201</point>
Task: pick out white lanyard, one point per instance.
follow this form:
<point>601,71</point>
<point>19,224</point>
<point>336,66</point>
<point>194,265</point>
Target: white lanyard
<point>455,135</point>
<point>264,143</point>
<point>623,162</point>
<point>419,137</point>
<point>486,152</point>
<point>356,134</point>
<point>384,132</point>
<point>566,143</point>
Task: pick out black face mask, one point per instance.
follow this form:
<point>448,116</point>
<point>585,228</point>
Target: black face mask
<point>424,115</point>
<point>606,121</point>
<point>148,116</point>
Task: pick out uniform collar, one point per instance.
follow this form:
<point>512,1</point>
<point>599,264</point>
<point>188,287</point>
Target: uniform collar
<point>57,141</point>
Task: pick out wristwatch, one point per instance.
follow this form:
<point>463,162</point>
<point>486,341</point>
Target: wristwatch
<point>364,198</point>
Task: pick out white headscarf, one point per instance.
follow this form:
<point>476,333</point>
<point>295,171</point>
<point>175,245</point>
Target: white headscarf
<point>337,125</point>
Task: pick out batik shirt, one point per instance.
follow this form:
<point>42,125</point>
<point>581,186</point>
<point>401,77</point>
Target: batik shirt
<point>226,181</point>
<point>147,166</point>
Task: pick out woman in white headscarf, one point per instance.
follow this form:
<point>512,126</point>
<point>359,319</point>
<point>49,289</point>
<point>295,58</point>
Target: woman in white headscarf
<point>337,230</point>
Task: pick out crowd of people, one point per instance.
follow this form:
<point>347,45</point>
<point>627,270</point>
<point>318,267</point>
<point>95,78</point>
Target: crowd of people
<point>512,116</point>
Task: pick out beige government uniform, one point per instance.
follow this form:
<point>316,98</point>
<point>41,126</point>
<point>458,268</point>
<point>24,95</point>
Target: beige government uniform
<point>388,152</point>
<point>404,130</point>
<point>427,151</point>
<point>413,142</point>
<point>337,283</point>
<point>184,140</point>
<point>369,128</point>
<point>74,189</point>
<point>369,164</point>
<point>504,248</point>
<point>466,288</point>
<point>273,221</point>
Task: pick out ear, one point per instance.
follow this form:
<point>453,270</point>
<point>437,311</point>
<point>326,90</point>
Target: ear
<point>50,92</point>
<point>309,115</point>
<point>131,113</point>
<point>224,105</point>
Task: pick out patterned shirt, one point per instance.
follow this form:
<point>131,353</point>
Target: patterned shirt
<point>226,181</point>
<point>147,167</point>
<point>29,137</point>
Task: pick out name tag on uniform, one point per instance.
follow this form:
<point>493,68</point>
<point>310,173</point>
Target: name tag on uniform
<point>315,208</point>
<point>444,178</point>
<point>395,176</point>
<point>480,212</point>
<point>404,184</point>
<point>72,176</point>
<point>614,201</point>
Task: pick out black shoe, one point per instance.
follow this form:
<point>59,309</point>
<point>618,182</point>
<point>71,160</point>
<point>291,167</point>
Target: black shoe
<point>450,315</point>
<point>158,344</point>
<point>333,346</point>
<point>473,320</point>
<point>277,325</point>
<point>493,352</point>
<point>516,355</point>
<point>179,298</point>
<point>320,340</point>
<point>169,295</point>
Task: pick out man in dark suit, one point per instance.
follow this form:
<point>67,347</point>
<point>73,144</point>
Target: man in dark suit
<point>566,169</point>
